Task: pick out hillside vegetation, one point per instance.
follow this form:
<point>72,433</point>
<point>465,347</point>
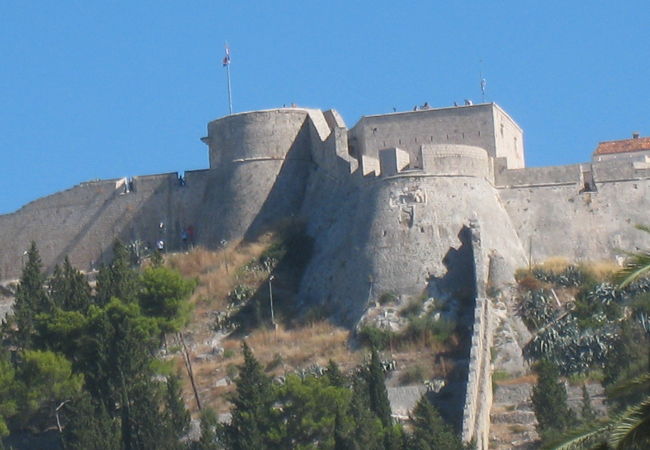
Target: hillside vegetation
<point>590,324</point>
<point>124,362</point>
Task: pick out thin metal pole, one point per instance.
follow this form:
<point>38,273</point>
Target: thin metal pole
<point>229,88</point>
<point>271,300</point>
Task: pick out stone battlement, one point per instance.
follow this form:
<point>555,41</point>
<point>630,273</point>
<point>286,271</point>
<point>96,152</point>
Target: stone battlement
<point>264,164</point>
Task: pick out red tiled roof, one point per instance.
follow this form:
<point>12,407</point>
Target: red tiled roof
<point>623,146</point>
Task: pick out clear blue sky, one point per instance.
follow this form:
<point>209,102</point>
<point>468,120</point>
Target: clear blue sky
<point>92,89</point>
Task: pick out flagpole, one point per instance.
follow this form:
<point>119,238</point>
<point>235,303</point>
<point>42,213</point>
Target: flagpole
<point>229,89</point>
<point>483,81</point>
<point>226,64</point>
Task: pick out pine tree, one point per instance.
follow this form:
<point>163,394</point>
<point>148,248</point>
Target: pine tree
<point>210,429</point>
<point>69,289</point>
<point>587,411</point>
<point>118,279</point>
<point>31,299</point>
<point>367,427</point>
<point>334,374</point>
<point>550,401</point>
<point>377,394</point>
<point>8,384</point>
<point>430,431</point>
<point>342,434</point>
<point>116,350</point>
<point>177,416</point>
<point>90,427</point>
<point>252,406</point>
<point>163,294</point>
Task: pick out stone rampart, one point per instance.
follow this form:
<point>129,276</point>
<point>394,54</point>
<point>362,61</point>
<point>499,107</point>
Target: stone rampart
<point>574,174</point>
<point>478,395</point>
<point>82,222</point>
<point>369,165</point>
<point>581,211</point>
<point>538,176</point>
<point>621,170</point>
<point>443,159</point>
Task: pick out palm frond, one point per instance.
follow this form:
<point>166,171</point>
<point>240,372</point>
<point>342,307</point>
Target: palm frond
<point>645,228</point>
<point>585,437</point>
<point>637,265</point>
<point>642,382</point>
<point>632,428</point>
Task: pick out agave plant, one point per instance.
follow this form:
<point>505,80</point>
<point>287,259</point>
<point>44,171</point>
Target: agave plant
<point>536,308</point>
<point>572,350</point>
<point>571,276</point>
<point>631,428</point>
<point>605,293</point>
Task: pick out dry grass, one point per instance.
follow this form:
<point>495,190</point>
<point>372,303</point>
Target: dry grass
<point>314,343</point>
<point>215,270</point>
<point>603,270</point>
<point>524,379</point>
<point>600,269</point>
<point>555,264</point>
<point>280,351</point>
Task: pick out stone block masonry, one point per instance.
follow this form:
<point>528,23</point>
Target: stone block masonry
<point>478,396</point>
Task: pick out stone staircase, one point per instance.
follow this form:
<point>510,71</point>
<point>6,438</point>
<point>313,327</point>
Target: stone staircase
<point>512,419</point>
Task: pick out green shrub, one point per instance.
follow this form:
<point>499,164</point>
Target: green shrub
<point>240,294</point>
<point>277,361</point>
<point>428,329</point>
<point>375,337</point>
<point>388,297</point>
<point>413,374</point>
<point>500,375</point>
<point>412,309</point>
<point>232,371</point>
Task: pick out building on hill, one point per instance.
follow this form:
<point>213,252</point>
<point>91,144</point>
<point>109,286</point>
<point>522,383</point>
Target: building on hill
<point>434,202</point>
<point>637,147</point>
<point>367,188</point>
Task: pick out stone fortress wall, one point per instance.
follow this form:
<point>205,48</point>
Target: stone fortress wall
<point>478,392</point>
<point>392,205</point>
<point>432,170</point>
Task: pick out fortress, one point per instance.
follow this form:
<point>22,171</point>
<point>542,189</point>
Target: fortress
<point>385,200</point>
<point>429,201</point>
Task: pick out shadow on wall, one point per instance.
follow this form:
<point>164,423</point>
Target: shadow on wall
<point>457,287</point>
<point>291,253</point>
<point>161,215</point>
<point>83,232</point>
<point>285,198</point>
<point>457,291</point>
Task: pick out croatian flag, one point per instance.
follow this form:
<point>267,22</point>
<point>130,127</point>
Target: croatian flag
<point>226,59</point>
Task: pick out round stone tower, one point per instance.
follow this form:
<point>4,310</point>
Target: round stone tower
<point>261,161</point>
<point>409,233</point>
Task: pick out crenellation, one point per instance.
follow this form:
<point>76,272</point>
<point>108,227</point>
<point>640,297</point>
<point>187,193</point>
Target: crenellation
<point>369,165</point>
<point>393,161</point>
<point>459,160</point>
